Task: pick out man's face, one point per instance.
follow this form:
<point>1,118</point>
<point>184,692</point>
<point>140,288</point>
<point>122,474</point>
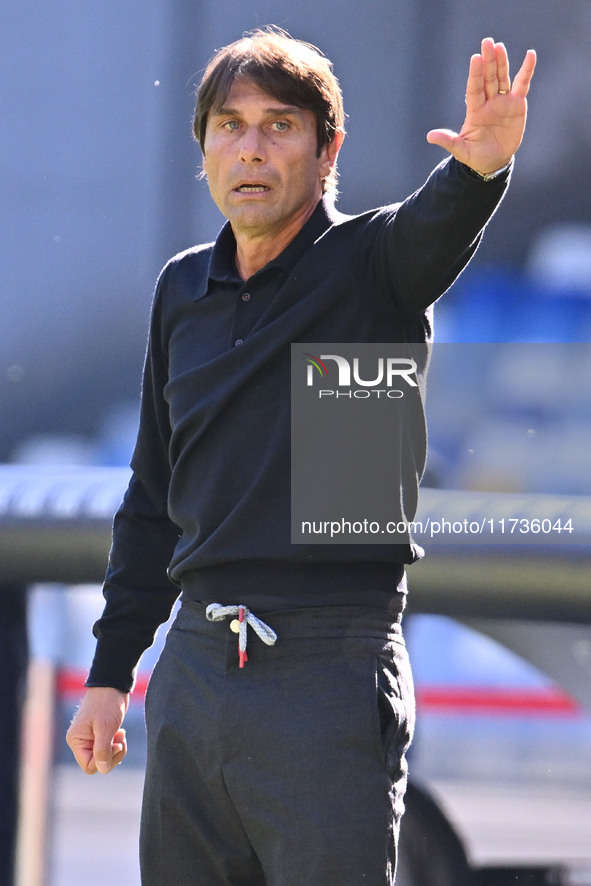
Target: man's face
<point>260,157</point>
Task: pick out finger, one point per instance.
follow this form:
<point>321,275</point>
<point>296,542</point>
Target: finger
<point>475,95</point>
<point>80,740</point>
<point>504,81</point>
<point>103,751</point>
<point>106,757</point>
<point>444,138</point>
<point>117,758</point>
<point>119,747</point>
<point>83,754</point>
<point>489,68</point>
<point>522,79</point>
<point>103,762</point>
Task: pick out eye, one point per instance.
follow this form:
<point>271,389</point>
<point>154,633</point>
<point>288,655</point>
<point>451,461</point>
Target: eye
<point>281,126</point>
<point>232,125</point>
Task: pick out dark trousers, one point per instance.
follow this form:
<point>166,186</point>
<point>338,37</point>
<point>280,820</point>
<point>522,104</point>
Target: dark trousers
<point>288,772</point>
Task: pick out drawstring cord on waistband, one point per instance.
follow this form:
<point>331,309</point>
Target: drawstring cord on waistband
<point>217,612</point>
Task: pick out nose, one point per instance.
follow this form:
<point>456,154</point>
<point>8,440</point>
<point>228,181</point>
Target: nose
<point>252,148</point>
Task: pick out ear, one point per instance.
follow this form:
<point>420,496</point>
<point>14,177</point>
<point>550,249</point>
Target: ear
<point>331,150</point>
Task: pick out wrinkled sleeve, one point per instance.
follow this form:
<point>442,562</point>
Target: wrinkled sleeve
<point>138,593</point>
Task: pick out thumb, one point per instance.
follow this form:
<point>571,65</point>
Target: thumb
<point>445,138</point>
<point>119,746</point>
<point>103,751</point>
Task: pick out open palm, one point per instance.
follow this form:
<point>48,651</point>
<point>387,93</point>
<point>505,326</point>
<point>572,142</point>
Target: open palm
<point>496,111</point>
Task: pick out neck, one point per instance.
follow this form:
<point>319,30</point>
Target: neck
<point>254,250</point>
<point>253,254</point>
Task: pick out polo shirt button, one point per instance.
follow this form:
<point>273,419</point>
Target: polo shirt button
<point>238,341</point>
<point>246,296</point>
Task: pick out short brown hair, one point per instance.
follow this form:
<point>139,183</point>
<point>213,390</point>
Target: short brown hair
<point>291,70</point>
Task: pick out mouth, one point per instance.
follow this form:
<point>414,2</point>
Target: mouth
<point>254,188</point>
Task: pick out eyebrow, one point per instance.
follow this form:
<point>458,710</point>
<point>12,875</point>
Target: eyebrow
<point>282,110</point>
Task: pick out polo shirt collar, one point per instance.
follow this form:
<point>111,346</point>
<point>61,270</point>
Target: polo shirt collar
<point>222,266</point>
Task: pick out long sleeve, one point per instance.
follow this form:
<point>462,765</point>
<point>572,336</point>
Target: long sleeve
<point>432,236</point>
<point>139,595</point>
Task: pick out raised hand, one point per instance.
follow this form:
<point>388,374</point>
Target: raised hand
<point>496,111</point>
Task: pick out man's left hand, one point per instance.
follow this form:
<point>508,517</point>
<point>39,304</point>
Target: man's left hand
<point>496,111</point>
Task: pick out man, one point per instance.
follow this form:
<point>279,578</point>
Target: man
<point>284,764</point>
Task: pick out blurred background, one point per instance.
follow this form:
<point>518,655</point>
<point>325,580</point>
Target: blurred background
<point>99,184</point>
